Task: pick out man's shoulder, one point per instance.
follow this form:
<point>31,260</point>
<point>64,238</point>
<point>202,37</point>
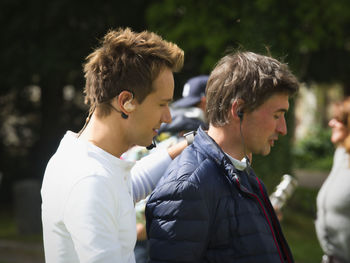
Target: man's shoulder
<point>191,159</point>
<point>191,168</point>
<point>191,177</point>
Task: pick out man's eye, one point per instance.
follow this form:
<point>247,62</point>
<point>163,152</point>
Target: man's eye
<point>279,115</point>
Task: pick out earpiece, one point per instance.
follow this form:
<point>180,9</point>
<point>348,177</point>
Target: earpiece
<point>152,145</point>
<point>129,106</point>
<point>240,114</point>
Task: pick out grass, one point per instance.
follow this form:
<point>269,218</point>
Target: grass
<point>9,231</point>
<point>17,248</point>
<point>298,226</point>
<point>7,225</point>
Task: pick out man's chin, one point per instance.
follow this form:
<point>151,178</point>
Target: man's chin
<point>266,151</point>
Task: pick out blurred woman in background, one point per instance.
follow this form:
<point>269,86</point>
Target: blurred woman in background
<point>333,200</point>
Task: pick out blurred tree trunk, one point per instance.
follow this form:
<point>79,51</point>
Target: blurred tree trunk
<point>347,88</point>
<point>51,126</point>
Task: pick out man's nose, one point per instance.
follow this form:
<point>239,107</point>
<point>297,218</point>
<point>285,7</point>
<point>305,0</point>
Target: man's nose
<point>282,127</point>
<point>166,117</point>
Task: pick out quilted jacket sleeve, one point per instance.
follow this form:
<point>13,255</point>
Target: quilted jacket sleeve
<point>179,217</point>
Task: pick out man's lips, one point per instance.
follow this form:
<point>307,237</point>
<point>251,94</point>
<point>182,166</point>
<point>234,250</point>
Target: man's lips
<point>272,141</point>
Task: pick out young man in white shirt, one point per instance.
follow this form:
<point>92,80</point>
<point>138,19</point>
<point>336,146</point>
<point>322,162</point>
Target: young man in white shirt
<point>88,192</point>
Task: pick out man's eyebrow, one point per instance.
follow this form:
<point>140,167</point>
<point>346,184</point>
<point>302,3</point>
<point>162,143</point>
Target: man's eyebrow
<point>282,110</point>
<point>167,100</point>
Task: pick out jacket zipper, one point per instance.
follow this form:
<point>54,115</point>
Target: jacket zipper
<point>273,221</point>
<point>243,189</point>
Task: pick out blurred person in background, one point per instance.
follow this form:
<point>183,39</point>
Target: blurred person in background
<point>210,206</point>
<point>333,199</point>
<point>193,93</point>
<point>188,112</point>
<point>88,191</point>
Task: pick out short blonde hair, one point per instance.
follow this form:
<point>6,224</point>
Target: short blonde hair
<point>127,60</point>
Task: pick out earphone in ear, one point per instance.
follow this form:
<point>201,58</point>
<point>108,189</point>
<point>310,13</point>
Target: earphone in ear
<point>124,116</point>
<point>240,114</point>
<point>129,106</point>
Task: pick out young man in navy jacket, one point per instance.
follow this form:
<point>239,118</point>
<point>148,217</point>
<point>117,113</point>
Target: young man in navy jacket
<point>210,206</point>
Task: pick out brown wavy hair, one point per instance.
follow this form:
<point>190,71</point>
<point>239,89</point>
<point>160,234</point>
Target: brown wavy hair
<point>341,112</point>
<point>127,60</point>
<point>248,76</point>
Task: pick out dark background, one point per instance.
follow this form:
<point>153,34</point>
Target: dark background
<point>44,44</point>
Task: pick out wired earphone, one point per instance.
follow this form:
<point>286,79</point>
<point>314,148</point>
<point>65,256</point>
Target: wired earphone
<point>129,107</point>
<point>240,115</point>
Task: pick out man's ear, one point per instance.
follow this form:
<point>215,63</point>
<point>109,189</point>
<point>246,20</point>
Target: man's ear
<point>237,109</point>
<point>125,101</point>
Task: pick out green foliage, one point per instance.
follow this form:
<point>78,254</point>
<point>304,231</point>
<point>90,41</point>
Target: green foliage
<point>204,31</point>
<point>315,151</point>
<point>309,36</point>
<point>305,32</point>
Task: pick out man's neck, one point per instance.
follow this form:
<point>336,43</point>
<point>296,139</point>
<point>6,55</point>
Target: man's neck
<point>228,139</point>
<point>103,133</point>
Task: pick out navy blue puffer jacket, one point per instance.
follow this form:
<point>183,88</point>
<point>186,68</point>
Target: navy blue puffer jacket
<point>204,210</point>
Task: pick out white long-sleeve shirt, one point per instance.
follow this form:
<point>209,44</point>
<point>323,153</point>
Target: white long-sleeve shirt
<point>88,198</point>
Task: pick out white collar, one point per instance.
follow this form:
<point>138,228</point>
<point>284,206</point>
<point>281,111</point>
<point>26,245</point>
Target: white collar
<point>239,165</point>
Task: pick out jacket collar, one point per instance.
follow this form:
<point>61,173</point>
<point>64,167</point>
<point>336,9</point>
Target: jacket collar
<point>212,150</point>
<point>209,147</point>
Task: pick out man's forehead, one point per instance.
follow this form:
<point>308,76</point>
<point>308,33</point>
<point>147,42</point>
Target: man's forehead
<point>277,102</point>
